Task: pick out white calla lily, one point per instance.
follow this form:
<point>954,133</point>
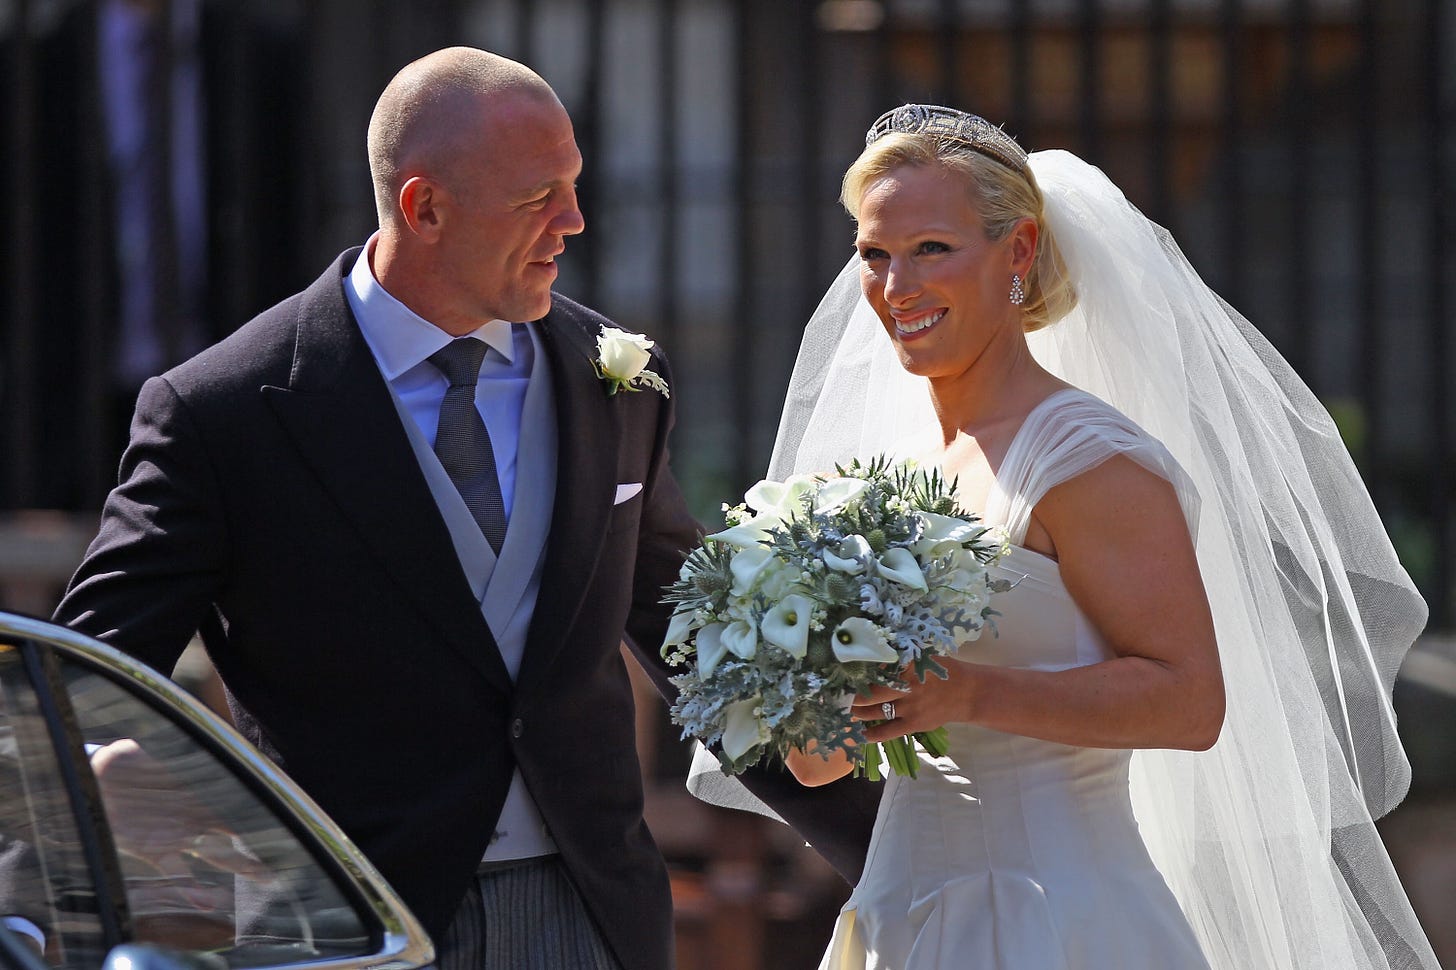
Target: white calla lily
<point>746,534</point>
<point>779,499</point>
<point>929,550</point>
<point>683,622</point>
<point>839,492</point>
<point>710,649</point>
<point>747,565</point>
<point>859,639</point>
<point>764,496</point>
<point>787,624</point>
<point>942,534</point>
<point>849,556</point>
<point>741,639</point>
<point>742,728</point>
<point>900,566</point>
<point>939,527</point>
<point>780,581</point>
<point>968,571</point>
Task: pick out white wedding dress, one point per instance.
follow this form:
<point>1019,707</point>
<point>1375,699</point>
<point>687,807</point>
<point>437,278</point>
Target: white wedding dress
<point>1014,853</point>
<point>1011,853</point>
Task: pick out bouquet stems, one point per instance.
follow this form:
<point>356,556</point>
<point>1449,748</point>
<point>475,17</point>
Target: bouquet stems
<point>899,754</point>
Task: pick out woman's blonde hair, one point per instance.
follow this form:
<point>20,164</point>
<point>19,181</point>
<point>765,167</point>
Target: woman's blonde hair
<point>1002,197</point>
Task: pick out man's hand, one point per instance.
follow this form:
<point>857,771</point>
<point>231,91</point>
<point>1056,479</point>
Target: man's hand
<point>178,859</point>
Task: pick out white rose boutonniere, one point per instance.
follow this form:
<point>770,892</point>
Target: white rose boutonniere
<point>622,359</point>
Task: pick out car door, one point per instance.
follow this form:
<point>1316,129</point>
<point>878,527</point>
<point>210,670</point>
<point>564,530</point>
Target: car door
<point>138,828</point>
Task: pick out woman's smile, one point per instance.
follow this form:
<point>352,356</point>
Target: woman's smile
<point>910,325</point>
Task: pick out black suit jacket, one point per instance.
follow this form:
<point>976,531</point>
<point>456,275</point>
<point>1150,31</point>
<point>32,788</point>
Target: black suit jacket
<point>269,479</point>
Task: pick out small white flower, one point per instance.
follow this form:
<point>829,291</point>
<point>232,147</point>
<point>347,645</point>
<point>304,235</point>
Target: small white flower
<point>787,624</point>
<point>735,514</point>
<point>622,360</point>
<point>859,639</point>
<point>899,565</point>
<point>737,608</point>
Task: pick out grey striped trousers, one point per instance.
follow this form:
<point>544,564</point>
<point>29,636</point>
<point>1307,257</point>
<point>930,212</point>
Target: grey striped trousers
<point>524,916</point>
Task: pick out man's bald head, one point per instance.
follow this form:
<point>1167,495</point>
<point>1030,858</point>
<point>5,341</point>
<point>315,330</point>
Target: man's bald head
<point>430,116</point>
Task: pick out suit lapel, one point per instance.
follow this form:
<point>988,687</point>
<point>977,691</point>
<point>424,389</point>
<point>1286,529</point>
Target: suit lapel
<point>587,434</point>
<point>338,410</point>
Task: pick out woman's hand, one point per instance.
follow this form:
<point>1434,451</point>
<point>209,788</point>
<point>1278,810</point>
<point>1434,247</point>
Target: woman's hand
<point>811,769</point>
<point>919,707</point>
<point>922,706</point>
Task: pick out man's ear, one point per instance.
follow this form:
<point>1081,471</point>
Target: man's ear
<point>420,202</point>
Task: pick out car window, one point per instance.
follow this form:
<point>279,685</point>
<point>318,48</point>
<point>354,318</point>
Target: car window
<point>47,889</point>
<point>204,864</point>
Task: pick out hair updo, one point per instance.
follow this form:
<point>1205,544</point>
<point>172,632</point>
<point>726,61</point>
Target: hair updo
<point>1001,196</point>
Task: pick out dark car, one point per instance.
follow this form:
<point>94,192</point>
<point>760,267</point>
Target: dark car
<point>138,831</point>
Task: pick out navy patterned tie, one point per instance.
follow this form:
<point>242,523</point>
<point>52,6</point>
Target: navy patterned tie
<point>462,442</point>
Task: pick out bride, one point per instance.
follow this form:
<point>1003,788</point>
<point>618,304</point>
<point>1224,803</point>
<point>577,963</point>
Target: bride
<point>1171,754</point>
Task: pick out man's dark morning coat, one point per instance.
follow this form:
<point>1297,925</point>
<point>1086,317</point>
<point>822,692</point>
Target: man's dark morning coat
<point>269,481</point>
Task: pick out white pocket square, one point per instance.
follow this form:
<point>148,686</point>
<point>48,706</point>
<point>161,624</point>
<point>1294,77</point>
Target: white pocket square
<point>626,491</point>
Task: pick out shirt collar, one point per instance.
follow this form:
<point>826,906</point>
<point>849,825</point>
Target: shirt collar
<point>400,338</point>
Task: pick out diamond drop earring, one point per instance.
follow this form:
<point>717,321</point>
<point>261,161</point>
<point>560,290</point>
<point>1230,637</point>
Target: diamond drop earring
<point>1018,295</point>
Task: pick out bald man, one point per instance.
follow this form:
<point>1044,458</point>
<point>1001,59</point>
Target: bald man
<point>424,637</point>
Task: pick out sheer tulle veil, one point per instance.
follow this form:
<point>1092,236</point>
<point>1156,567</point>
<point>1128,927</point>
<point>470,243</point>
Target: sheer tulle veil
<point>1267,839</point>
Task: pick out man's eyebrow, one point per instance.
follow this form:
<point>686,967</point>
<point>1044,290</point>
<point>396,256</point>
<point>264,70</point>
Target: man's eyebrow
<point>545,185</point>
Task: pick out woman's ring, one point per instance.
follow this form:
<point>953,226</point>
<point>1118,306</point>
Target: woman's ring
<point>888,709</point>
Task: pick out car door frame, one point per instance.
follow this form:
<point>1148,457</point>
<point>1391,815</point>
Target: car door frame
<point>402,942</point>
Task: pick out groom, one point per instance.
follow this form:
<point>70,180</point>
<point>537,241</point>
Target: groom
<point>413,531</point>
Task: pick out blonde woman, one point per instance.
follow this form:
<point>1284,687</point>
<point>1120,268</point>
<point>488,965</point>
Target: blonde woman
<point>1171,754</point>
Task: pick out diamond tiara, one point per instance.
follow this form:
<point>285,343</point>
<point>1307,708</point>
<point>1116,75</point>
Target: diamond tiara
<point>973,131</point>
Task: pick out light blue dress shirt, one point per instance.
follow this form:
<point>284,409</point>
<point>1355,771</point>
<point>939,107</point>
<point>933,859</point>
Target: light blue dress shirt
<point>402,342</point>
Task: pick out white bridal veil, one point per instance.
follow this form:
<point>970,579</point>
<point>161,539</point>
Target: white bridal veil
<point>1267,839</point>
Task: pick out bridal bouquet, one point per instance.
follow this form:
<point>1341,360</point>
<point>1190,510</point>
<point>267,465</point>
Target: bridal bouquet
<point>820,588</point>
